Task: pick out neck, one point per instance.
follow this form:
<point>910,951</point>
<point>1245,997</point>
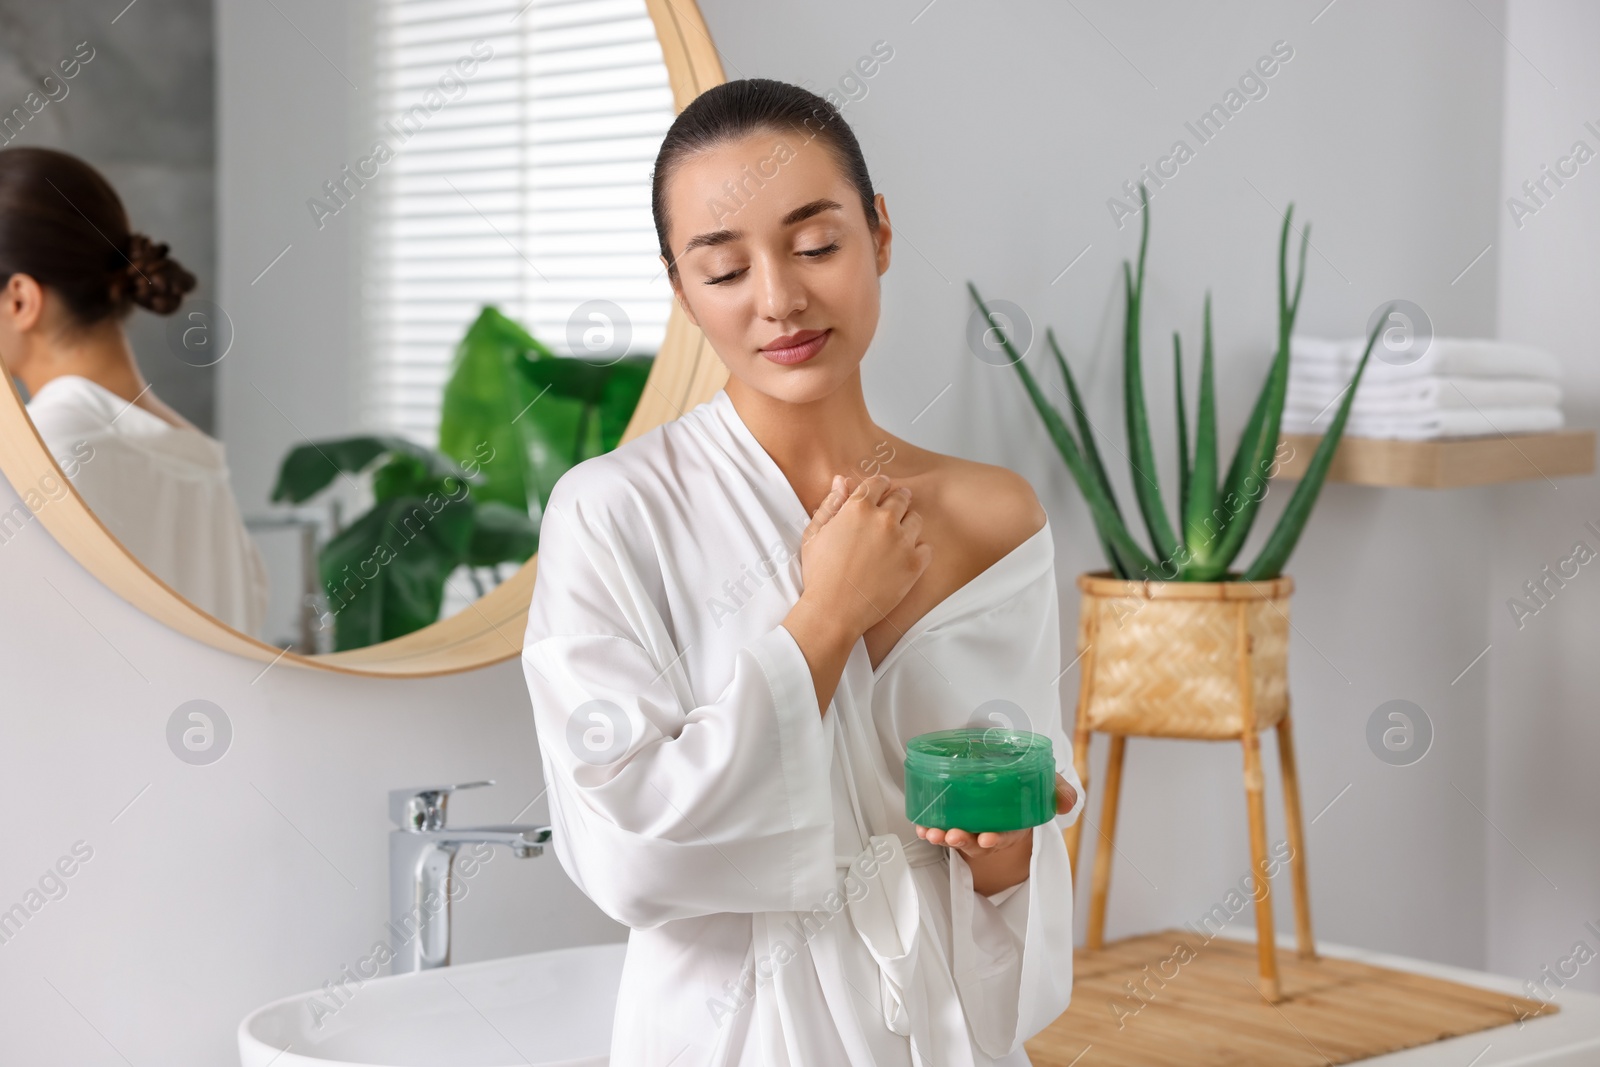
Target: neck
<point>100,353</point>
<point>814,440</point>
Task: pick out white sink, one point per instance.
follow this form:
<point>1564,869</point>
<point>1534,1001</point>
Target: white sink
<point>547,1009</point>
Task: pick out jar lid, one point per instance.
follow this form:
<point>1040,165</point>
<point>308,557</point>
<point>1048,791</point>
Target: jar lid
<point>979,750</point>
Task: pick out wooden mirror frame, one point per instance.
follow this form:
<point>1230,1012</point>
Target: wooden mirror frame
<point>686,371</point>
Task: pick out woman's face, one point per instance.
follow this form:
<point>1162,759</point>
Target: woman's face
<point>776,263</point>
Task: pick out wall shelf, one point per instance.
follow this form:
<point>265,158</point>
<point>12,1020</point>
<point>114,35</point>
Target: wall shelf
<point>1448,463</point>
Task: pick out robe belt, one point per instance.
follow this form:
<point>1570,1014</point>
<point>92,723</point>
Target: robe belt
<point>887,916</point>
<point>918,853</point>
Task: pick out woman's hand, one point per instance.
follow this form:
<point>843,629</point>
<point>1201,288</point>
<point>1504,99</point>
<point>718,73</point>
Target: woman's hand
<point>862,552</point>
<point>859,556</point>
<point>999,859</point>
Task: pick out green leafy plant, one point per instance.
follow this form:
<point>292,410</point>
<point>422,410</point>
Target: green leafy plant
<point>385,572</point>
<point>514,417</point>
<point>1214,517</point>
<point>483,399</point>
<point>541,413</point>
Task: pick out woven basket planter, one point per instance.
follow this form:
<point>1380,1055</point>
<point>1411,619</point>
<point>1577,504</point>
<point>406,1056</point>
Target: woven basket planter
<point>1203,660</point>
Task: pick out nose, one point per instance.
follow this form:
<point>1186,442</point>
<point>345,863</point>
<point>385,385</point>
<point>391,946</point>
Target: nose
<point>781,292</point>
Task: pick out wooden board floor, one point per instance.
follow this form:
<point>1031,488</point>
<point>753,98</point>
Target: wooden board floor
<point>1196,1003</point>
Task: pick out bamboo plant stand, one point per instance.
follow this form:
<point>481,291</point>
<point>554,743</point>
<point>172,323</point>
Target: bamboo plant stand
<point>1203,661</point>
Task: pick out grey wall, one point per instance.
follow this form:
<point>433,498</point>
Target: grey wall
<point>1543,793</point>
<point>287,121</point>
<point>142,112</point>
<point>996,134</point>
<point>288,109</point>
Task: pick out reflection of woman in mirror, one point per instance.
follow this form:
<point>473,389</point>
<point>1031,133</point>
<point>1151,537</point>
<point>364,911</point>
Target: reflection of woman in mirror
<point>742,616</point>
<point>72,271</point>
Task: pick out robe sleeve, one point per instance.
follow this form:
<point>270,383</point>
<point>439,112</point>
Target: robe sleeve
<point>662,809</point>
<point>1012,950</point>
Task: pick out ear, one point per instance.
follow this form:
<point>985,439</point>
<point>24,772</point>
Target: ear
<point>22,303</point>
<point>677,293</point>
<point>884,236</point>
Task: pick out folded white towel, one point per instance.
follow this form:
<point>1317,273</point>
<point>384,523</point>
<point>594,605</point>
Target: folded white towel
<point>1466,357</point>
<point>1302,347</point>
<point>1459,422</point>
<point>1419,396</point>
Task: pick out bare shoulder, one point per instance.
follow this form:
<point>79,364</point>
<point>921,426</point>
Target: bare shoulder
<point>986,510</point>
<point>998,507</point>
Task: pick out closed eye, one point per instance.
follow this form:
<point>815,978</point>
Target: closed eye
<point>814,253</point>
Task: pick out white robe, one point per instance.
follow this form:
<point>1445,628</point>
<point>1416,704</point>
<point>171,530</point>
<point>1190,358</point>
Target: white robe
<point>162,490</point>
<point>698,797</point>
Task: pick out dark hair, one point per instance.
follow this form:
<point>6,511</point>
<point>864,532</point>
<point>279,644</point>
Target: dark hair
<point>736,109</point>
<point>62,224</point>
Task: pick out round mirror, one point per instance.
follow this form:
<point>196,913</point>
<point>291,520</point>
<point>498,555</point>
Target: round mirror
<point>323,431</point>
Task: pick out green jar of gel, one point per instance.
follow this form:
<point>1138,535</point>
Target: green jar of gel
<point>979,779</point>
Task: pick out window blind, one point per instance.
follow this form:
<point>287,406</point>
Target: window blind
<point>528,188</point>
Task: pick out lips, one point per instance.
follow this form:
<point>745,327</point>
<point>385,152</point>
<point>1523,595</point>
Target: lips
<point>791,340</point>
<point>796,347</point>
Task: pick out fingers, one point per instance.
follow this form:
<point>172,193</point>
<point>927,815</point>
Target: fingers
<point>832,502</point>
<point>966,841</point>
<point>896,501</point>
<point>872,489</point>
<point>844,488</point>
<point>877,492</point>
<point>837,495</point>
<point>1066,796</point>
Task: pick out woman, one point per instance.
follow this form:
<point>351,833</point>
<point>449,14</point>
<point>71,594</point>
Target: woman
<point>72,272</point>
<point>740,620</point>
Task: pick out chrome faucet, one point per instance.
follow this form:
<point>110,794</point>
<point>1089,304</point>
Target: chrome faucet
<point>422,855</point>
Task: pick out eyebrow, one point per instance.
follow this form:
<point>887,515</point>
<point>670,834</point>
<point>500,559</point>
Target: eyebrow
<point>799,214</point>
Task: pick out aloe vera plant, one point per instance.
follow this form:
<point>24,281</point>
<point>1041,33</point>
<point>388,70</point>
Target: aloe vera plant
<point>1214,515</point>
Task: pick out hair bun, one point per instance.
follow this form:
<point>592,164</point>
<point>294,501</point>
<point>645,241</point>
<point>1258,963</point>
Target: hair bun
<point>150,278</point>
